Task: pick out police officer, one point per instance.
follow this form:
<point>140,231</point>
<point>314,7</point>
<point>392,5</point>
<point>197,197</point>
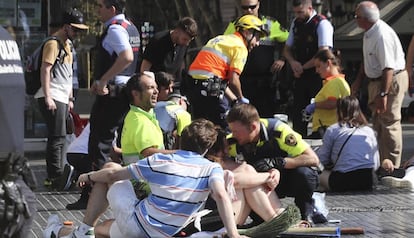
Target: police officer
<point>218,65</point>
<point>116,61</point>
<point>17,206</point>
<point>263,63</point>
<point>270,143</point>
<point>308,33</point>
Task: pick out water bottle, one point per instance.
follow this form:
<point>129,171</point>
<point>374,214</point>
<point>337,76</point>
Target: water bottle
<point>68,227</point>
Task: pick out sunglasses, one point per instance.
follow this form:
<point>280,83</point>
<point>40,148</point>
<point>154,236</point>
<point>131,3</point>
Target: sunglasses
<point>251,7</point>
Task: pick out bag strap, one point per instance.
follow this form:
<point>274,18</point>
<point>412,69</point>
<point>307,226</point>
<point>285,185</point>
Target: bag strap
<point>340,151</point>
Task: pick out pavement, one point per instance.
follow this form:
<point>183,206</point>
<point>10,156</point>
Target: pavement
<point>383,212</point>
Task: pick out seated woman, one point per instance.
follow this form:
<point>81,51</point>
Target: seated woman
<point>349,151</point>
<point>328,66</point>
<point>254,191</point>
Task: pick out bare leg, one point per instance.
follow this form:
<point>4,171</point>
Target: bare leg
<point>97,203</point>
<point>262,202</point>
<point>102,229</point>
<point>324,180</point>
<point>240,208</point>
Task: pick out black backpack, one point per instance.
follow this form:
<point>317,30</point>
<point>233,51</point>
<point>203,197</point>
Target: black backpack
<point>33,64</point>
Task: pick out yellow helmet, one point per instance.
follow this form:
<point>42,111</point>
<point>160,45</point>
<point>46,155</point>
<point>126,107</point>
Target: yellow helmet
<point>248,22</point>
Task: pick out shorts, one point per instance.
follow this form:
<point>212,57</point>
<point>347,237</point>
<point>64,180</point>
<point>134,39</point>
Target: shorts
<point>356,180</point>
<point>122,200</point>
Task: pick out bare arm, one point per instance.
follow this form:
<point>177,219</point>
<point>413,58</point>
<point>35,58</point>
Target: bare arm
<point>381,102</point>
<point>327,104</point>
<point>410,58</point>
<point>235,85</point>
<point>45,72</point>
<point>307,159</point>
<point>358,80</point>
<point>225,208</point>
<point>310,64</point>
<point>108,175</point>
<point>245,176</point>
<point>145,65</point>
<point>152,150</point>
<point>409,65</point>
<point>124,59</point>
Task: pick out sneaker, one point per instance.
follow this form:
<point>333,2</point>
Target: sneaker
<point>81,204</point>
<point>396,182</point>
<point>88,234</point>
<point>317,218</point>
<point>53,226</point>
<point>397,173</point>
<point>66,178</point>
<point>48,182</point>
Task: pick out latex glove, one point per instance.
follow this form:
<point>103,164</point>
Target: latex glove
<point>244,100</point>
<point>310,109</point>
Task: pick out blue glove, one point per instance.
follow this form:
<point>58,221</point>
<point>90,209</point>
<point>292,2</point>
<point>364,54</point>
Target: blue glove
<point>244,100</point>
<point>310,109</point>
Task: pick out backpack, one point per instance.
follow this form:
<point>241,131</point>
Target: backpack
<point>33,64</point>
<point>14,209</point>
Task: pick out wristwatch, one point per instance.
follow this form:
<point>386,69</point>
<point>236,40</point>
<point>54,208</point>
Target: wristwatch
<point>383,94</point>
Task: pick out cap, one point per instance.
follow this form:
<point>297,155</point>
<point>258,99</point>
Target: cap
<point>178,95</point>
<point>74,18</point>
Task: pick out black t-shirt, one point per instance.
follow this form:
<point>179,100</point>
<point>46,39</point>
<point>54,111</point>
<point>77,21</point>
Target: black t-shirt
<point>12,95</point>
<point>164,56</point>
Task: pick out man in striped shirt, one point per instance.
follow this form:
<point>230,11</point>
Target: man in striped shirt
<point>180,184</point>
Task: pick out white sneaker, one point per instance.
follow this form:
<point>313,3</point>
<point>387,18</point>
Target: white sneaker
<point>396,182</point>
<point>53,226</point>
<point>88,234</point>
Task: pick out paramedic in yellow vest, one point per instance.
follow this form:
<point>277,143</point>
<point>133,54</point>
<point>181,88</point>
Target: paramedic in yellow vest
<point>218,65</point>
<point>261,74</point>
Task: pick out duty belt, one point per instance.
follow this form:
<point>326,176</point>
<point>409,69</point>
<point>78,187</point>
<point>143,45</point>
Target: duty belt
<point>213,87</point>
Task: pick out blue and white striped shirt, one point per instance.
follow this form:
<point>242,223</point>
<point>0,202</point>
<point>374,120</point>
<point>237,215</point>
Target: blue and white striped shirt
<point>179,185</point>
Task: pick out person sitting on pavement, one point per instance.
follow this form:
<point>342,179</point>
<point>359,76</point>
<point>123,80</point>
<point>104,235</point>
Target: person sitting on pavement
<point>349,150</point>
<point>173,117</point>
<point>170,110</point>
<point>405,182</point>
<point>270,143</point>
<point>165,83</point>
<point>249,191</point>
<point>252,190</point>
<point>140,121</point>
<point>176,196</point>
<point>77,157</point>
<point>328,66</point>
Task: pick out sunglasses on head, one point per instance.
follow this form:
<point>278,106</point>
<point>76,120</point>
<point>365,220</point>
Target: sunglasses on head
<point>251,7</point>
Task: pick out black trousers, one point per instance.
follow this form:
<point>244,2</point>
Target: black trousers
<point>305,88</point>
<point>56,136</point>
<point>82,164</point>
<point>213,108</point>
<point>261,93</point>
<point>107,114</point>
<point>300,184</point>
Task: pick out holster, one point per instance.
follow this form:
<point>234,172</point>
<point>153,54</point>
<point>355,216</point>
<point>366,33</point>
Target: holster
<point>213,87</point>
<point>115,89</point>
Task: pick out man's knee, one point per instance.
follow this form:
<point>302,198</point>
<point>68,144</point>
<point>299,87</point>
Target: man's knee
<point>306,178</point>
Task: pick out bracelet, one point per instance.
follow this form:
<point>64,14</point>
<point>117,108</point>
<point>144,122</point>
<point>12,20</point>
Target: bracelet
<point>89,179</point>
<point>71,99</point>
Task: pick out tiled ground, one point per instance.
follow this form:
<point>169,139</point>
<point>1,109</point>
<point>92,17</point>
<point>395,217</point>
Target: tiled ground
<point>382,213</point>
